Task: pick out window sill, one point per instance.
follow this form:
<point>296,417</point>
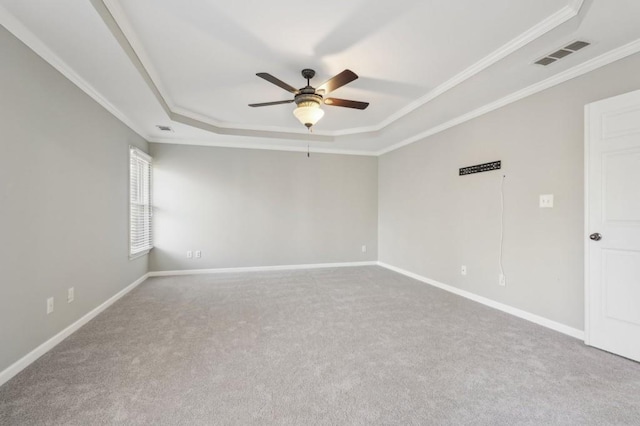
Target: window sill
<point>139,254</point>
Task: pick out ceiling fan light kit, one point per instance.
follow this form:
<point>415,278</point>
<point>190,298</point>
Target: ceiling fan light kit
<point>308,113</point>
<point>308,99</point>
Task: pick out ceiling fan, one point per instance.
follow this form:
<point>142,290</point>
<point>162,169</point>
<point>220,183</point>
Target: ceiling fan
<point>308,99</point>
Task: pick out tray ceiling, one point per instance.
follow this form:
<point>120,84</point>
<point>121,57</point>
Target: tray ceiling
<point>191,65</point>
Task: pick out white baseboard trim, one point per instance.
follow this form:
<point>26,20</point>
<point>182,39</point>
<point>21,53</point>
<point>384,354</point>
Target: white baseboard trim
<point>260,268</point>
<point>26,360</point>
<point>553,325</point>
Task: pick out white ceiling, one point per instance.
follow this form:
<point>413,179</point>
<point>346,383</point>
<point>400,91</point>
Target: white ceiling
<point>423,65</point>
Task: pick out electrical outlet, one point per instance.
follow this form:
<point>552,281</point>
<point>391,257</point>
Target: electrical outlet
<point>502,280</point>
<point>463,270</point>
<point>198,254</point>
<point>364,248</point>
<point>546,201</point>
<point>49,305</point>
<point>189,254</point>
<point>70,294</point>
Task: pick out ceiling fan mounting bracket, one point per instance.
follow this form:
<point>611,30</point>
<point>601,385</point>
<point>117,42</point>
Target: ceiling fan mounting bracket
<point>308,73</point>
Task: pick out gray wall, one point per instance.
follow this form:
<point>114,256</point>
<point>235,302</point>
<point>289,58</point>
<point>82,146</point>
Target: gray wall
<point>432,221</point>
<point>63,201</point>
<point>261,208</point>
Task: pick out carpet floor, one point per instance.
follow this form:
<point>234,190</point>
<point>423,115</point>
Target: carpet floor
<point>343,346</point>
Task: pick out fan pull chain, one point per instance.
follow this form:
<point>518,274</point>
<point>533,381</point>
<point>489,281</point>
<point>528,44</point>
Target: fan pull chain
<point>308,154</point>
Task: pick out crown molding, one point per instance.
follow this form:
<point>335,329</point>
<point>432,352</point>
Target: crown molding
<point>15,27</point>
<point>550,23</point>
<point>115,20</point>
<point>108,10</point>
<point>186,116</point>
<point>267,147</point>
<point>585,67</point>
<point>123,31</point>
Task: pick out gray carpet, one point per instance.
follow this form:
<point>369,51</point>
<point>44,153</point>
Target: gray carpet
<point>345,346</point>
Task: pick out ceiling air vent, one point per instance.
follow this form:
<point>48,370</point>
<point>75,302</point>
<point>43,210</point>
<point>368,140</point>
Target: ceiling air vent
<point>164,128</point>
<point>561,53</point>
<point>577,45</point>
<point>545,61</point>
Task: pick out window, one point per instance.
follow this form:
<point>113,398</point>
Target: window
<point>139,203</point>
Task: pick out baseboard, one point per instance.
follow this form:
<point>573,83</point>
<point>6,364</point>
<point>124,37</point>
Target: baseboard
<point>259,268</point>
<point>26,360</point>
<point>553,325</point>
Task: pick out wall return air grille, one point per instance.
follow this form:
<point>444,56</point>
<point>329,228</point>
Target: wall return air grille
<point>562,53</point>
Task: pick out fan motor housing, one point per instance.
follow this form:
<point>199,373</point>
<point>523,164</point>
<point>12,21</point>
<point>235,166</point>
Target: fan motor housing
<point>308,95</point>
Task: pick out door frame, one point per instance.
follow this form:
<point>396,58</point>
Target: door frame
<point>588,123</point>
<point>587,217</point>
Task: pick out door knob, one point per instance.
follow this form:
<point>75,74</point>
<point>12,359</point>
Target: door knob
<point>595,236</point>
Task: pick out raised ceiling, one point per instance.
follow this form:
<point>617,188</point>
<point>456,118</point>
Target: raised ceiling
<point>423,65</point>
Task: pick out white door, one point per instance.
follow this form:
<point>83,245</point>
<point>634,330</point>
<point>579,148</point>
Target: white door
<point>612,293</point>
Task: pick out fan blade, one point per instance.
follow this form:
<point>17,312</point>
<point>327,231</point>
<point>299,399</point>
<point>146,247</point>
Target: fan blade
<point>345,77</point>
<point>271,103</point>
<point>277,82</point>
<point>346,103</point>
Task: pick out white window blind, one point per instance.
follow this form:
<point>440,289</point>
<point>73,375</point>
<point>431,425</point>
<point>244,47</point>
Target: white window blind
<point>140,210</point>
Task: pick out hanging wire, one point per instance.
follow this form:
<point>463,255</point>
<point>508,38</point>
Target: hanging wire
<point>501,224</point>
